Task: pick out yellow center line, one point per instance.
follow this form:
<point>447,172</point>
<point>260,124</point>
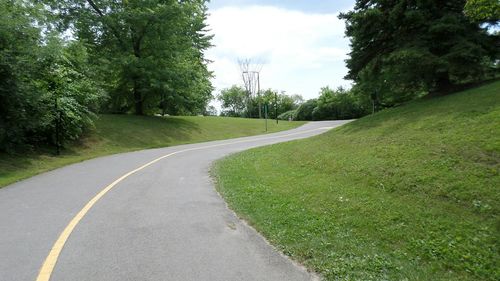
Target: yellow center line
<point>51,259</point>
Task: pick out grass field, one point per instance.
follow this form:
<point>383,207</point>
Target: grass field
<point>410,193</point>
<point>121,133</point>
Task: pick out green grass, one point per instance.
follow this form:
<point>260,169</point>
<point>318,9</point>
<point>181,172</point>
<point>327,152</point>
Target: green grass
<point>122,133</point>
<point>410,193</point>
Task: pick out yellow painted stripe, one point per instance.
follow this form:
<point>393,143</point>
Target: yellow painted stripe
<point>52,257</point>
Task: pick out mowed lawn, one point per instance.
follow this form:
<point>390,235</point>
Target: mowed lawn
<point>122,133</point>
<point>410,193</point>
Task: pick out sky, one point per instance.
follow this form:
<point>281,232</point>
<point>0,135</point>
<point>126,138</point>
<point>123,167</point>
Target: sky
<point>300,45</point>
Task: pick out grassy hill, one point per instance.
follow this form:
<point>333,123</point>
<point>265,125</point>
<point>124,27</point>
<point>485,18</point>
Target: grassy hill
<point>410,193</point>
<point>121,133</point>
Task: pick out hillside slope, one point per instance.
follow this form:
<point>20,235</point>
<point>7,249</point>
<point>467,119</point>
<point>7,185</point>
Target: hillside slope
<point>410,193</point>
<point>122,133</point>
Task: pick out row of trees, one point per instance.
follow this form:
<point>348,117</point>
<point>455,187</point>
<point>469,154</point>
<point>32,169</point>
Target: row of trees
<point>63,61</point>
<point>403,49</point>
<point>236,102</point>
<point>339,104</point>
<point>331,104</point>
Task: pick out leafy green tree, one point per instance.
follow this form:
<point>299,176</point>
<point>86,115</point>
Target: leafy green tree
<point>18,52</point>
<point>273,99</point>
<point>297,100</point>
<point>483,10</point>
<point>210,111</point>
<point>287,103</point>
<point>151,52</point>
<point>233,101</point>
<point>403,48</point>
<point>337,104</point>
<point>70,97</point>
<point>46,84</point>
<point>305,110</point>
<point>288,115</point>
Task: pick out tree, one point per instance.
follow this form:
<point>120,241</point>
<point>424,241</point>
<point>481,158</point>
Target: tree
<point>70,97</point>
<point>47,94</point>
<point>403,48</point>
<point>305,110</point>
<point>483,10</point>
<point>151,52</point>
<point>273,99</point>
<point>339,104</point>
<point>18,99</point>
<point>297,100</point>
<point>234,101</point>
<point>210,111</point>
<point>286,103</point>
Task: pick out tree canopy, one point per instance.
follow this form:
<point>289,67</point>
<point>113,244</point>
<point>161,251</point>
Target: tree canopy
<point>153,50</point>
<point>402,49</point>
<point>63,61</point>
<point>233,101</point>
<point>483,10</point>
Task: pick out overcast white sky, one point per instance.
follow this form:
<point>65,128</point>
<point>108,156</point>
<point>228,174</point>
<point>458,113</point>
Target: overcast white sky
<point>301,44</point>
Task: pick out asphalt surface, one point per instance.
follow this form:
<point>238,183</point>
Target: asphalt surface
<point>164,222</point>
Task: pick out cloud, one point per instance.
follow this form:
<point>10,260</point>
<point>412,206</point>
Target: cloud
<point>300,52</point>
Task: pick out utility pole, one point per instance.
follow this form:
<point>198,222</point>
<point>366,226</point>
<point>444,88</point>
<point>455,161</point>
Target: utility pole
<point>276,106</point>
<point>57,116</point>
<point>258,93</point>
<point>58,121</point>
<point>373,97</point>
<point>250,85</point>
<point>265,114</point>
<point>163,104</point>
<point>251,78</point>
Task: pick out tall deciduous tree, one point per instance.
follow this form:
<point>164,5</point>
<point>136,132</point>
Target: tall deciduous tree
<point>234,101</point>
<point>404,48</point>
<point>151,52</point>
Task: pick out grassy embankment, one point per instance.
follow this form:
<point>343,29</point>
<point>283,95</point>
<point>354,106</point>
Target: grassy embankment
<point>410,193</point>
<point>121,133</point>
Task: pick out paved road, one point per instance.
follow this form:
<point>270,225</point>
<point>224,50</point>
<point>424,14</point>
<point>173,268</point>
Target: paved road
<point>163,222</point>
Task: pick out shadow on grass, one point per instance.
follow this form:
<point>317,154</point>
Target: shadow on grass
<point>113,134</point>
<point>145,131</point>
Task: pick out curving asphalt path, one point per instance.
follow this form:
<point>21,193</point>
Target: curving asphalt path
<point>164,222</point>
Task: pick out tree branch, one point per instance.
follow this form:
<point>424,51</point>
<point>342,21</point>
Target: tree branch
<point>114,30</point>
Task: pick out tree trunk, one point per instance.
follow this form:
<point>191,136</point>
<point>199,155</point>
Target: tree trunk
<point>138,103</point>
<point>443,85</point>
<point>138,98</point>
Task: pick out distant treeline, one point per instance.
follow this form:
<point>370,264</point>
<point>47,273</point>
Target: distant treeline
<point>331,105</point>
<point>61,62</point>
<point>402,50</point>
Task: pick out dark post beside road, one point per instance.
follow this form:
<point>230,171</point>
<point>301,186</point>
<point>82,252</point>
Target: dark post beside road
<point>276,106</point>
<point>265,113</point>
